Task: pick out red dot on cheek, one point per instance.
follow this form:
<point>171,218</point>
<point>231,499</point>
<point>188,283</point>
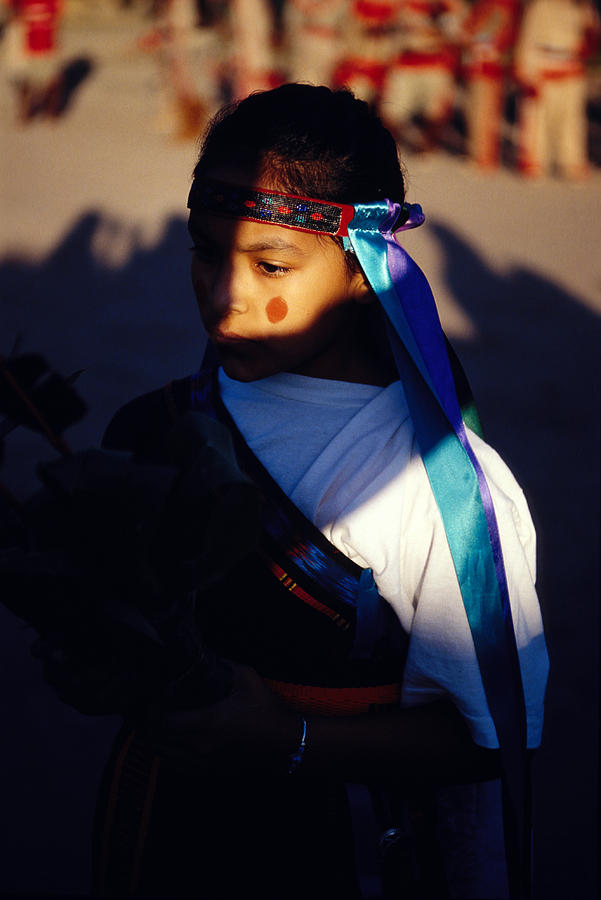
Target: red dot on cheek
<point>276,309</point>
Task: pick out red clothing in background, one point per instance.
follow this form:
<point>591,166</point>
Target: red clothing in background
<point>40,20</point>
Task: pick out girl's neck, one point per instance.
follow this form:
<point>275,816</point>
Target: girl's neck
<point>350,360</point>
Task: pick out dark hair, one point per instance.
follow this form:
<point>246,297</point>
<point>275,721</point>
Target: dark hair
<point>307,140</point>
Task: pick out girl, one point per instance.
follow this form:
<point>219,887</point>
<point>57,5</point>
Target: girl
<point>386,630</point>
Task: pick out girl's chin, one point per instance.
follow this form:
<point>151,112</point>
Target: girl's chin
<point>245,369</point>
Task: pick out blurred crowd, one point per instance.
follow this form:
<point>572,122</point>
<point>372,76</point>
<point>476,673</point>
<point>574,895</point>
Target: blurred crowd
<point>424,64</point>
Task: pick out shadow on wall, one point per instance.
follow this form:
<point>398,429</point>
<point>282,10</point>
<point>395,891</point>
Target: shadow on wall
<point>535,372</point>
<point>122,308</point>
<point>109,302</point>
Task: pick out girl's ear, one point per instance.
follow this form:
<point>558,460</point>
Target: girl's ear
<point>361,289</point>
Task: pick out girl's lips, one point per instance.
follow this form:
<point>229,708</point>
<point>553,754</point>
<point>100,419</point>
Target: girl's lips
<point>229,337</point>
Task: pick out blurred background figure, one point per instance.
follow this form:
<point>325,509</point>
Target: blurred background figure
<point>489,37</point>
<point>252,31</point>
<point>419,92</point>
<point>182,112</point>
<point>371,42</point>
<point>556,38</point>
<point>31,56</point>
<point>313,32</point>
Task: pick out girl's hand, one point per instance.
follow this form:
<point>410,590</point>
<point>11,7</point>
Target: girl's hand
<point>248,730</point>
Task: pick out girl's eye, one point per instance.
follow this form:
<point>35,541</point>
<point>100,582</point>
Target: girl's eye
<point>272,269</point>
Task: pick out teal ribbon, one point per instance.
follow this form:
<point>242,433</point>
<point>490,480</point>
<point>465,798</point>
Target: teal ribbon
<point>457,480</point>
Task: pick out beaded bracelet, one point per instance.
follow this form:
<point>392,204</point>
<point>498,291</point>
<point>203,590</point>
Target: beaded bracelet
<point>297,757</point>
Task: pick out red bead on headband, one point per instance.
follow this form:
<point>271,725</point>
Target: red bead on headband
<point>271,207</point>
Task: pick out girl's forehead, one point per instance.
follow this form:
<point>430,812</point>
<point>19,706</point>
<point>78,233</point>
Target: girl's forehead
<point>250,236</point>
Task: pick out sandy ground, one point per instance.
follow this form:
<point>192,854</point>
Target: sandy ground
<point>94,274</point>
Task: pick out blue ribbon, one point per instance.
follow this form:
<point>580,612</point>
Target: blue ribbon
<point>456,477</point>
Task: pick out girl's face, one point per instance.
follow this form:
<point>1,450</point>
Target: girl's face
<point>274,299</point>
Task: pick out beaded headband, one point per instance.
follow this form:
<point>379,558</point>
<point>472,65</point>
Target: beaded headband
<point>272,207</point>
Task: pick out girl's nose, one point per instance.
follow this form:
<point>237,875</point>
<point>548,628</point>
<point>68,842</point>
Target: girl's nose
<point>227,293</point>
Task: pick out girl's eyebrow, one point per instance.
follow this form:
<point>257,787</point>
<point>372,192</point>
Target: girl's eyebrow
<point>276,243</point>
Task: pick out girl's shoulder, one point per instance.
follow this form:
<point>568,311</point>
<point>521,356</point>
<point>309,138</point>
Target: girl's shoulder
<point>140,424</point>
